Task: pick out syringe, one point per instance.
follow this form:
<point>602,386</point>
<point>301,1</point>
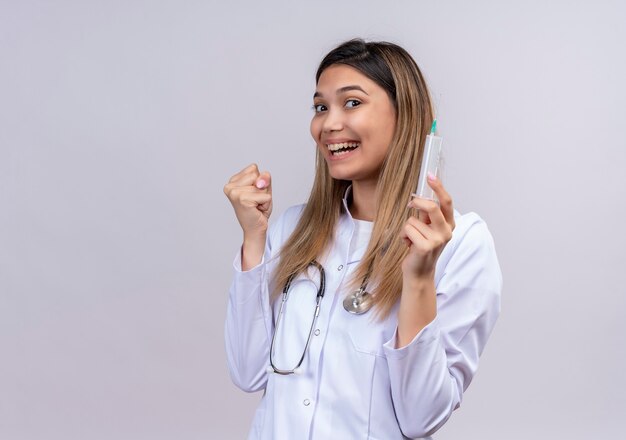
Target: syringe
<point>430,164</point>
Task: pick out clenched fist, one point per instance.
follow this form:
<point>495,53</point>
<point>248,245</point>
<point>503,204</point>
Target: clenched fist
<point>250,193</point>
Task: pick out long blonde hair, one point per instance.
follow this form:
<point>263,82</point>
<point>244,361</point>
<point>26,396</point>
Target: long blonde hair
<point>392,68</point>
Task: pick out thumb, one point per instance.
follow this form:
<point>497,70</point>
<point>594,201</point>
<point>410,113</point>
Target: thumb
<point>264,181</point>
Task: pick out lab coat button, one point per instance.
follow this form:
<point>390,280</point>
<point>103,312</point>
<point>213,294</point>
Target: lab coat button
<point>306,402</point>
<point>340,267</point>
<point>317,332</point>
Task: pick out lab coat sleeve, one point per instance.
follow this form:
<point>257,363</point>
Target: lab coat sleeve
<point>429,375</point>
<point>248,325</point>
<point>249,319</point>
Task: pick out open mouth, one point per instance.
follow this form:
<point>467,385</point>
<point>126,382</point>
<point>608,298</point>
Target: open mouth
<point>342,148</point>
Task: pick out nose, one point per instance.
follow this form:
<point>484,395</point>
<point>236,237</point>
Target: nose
<point>333,121</point>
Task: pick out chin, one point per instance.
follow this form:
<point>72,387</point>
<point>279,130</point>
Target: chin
<point>341,174</point>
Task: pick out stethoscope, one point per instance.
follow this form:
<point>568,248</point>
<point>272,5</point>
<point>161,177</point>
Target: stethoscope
<point>357,303</point>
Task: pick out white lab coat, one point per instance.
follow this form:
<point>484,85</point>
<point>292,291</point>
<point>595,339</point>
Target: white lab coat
<point>354,383</point>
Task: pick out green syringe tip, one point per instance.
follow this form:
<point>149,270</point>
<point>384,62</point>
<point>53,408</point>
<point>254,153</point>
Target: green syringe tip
<point>433,127</point>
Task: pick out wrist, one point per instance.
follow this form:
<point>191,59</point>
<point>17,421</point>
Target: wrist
<point>418,308</point>
<point>252,251</point>
<point>254,237</point>
<point>418,284</point>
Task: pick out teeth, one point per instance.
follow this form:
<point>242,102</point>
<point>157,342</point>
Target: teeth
<point>343,145</point>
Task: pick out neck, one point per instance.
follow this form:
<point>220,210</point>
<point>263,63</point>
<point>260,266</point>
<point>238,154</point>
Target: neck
<point>363,204</point>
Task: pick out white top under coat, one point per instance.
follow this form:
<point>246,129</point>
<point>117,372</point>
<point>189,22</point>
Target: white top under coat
<point>354,383</point>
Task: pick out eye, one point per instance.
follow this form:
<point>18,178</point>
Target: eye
<point>352,103</point>
<point>319,108</point>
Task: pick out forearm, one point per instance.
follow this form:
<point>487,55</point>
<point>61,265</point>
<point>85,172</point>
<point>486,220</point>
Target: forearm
<point>418,307</point>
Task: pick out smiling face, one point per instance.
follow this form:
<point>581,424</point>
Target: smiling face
<point>353,124</point>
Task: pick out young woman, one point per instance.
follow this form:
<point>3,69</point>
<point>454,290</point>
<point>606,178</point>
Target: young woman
<point>361,314</point>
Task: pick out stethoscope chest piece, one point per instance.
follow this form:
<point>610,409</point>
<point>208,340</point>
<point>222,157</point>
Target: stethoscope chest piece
<point>358,303</point>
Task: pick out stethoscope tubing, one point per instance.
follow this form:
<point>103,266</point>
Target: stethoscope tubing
<point>358,303</point>
<point>320,294</point>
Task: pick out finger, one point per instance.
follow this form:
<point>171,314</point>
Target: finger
<point>431,238</point>
<point>253,198</point>
<point>232,188</point>
<point>445,201</point>
<point>431,209</point>
<point>414,237</point>
<point>244,193</point>
<point>252,167</point>
<point>246,171</point>
<point>265,202</point>
<point>264,181</point>
<point>424,229</point>
<point>246,176</point>
<point>266,206</point>
<point>422,216</point>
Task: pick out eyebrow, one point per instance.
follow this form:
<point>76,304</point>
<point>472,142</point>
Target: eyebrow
<point>342,90</point>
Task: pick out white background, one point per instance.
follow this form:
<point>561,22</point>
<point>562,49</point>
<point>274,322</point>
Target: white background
<point>120,122</point>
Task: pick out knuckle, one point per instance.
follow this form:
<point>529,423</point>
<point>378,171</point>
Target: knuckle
<point>236,193</point>
<point>230,189</point>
